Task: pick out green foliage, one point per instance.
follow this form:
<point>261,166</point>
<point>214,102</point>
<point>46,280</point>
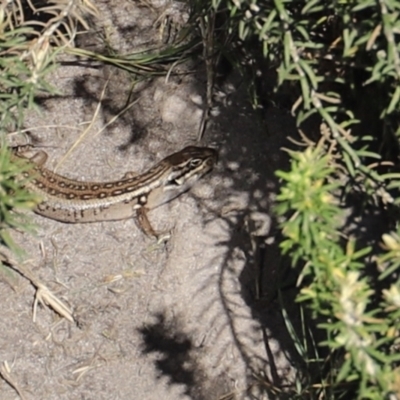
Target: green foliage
<point>332,54</point>
<point>304,191</point>
<point>341,61</point>
<point>337,291</point>
<point>13,197</point>
<point>27,55</point>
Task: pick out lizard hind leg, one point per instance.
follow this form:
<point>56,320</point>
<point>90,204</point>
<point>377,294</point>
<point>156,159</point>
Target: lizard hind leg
<point>144,223</point>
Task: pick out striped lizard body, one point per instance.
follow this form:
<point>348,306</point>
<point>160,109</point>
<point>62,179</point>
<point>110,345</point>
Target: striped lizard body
<point>74,201</point>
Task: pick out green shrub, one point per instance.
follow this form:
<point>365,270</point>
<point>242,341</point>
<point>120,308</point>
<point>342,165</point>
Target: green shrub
<point>30,39</point>
<point>342,61</point>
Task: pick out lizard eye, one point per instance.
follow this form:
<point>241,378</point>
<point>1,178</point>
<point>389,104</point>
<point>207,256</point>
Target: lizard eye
<point>195,162</point>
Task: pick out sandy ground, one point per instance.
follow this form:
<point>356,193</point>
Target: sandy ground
<point>183,319</point>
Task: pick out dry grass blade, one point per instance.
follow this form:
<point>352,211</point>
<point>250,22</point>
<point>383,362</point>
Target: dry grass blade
<point>84,133</point>
<point>46,297</point>
<point>113,119</point>
<point>5,373</point>
<point>207,28</point>
<point>62,18</point>
<point>149,63</point>
<point>43,294</point>
<point>82,371</point>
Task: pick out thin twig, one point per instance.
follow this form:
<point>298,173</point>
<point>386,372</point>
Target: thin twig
<point>43,294</point>
<point>5,373</point>
<point>84,133</point>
